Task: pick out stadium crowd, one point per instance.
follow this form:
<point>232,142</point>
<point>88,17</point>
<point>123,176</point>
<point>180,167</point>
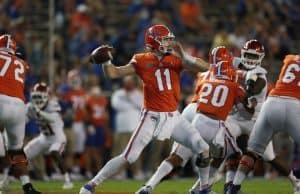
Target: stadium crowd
<point>83,25</point>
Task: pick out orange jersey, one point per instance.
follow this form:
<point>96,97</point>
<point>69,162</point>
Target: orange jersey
<point>12,75</point>
<point>200,77</point>
<point>77,99</point>
<point>161,80</point>
<point>96,109</point>
<point>217,97</point>
<point>288,83</point>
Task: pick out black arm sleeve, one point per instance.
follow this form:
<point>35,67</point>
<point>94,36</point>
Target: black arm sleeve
<point>254,87</point>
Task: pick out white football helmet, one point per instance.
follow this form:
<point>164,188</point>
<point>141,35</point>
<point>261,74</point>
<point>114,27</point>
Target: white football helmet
<point>39,95</point>
<point>252,54</point>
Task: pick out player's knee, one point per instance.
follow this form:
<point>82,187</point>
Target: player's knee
<point>233,161</point>
<point>202,160</point>
<point>129,158</point>
<point>17,157</point>
<point>248,159</point>
<point>18,162</point>
<point>15,146</point>
<point>199,144</point>
<point>175,160</point>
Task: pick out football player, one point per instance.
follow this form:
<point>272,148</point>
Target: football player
<point>46,112</point>
<point>208,127</point>
<point>12,116</point>
<point>98,117</point>
<point>159,70</point>
<point>255,82</point>
<point>76,96</point>
<point>279,113</point>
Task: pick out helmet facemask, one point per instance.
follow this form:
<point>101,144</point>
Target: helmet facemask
<point>165,44</point>
<point>251,59</point>
<point>39,99</point>
<point>158,38</point>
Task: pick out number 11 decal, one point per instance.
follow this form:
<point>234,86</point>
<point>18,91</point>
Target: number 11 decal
<point>159,79</point>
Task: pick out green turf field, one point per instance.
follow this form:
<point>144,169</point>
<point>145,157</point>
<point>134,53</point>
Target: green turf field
<point>256,186</point>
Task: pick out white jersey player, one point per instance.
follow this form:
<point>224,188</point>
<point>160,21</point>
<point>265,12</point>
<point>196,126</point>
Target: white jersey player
<point>52,140</point>
<point>255,81</point>
<point>280,113</point>
<point>256,85</point>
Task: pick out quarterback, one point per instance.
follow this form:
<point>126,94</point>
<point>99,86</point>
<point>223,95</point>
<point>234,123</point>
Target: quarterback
<point>159,68</point>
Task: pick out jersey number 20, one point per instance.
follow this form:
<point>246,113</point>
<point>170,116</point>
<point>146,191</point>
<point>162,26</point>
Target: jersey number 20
<point>216,95</point>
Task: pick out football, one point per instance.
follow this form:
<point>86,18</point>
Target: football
<point>101,54</point>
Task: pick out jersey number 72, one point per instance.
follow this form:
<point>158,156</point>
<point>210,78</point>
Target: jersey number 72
<point>19,67</point>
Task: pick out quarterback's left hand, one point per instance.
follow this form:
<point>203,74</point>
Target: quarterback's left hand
<point>177,48</point>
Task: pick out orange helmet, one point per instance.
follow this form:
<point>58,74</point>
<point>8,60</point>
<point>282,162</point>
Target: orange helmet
<point>8,44</point>
<point>220,53</point>
<point>224,70</point>
<point>39,95</point>
<point>252,54</point>
<point>156,37</point>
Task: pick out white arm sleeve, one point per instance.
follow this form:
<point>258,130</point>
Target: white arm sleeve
<point>50,117</point>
